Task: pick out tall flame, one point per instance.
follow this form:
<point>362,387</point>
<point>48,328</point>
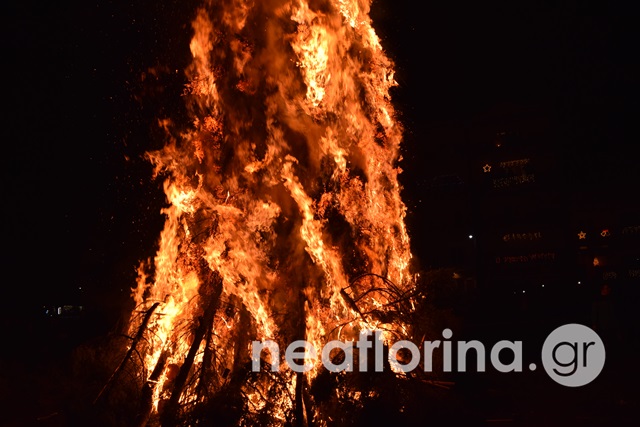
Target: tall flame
<point>284,219</point>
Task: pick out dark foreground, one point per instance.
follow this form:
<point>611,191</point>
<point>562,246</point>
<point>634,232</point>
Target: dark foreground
<point>49,379</point>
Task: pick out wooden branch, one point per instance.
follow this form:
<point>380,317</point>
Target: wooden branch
<point>132,348</point>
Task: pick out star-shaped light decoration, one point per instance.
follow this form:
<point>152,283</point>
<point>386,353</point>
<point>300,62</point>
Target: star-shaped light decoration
<point>582,235</point>
<point>486,168</point>
<point>605,233</point>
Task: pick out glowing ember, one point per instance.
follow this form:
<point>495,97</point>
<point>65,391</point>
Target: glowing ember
<point>285,220</point>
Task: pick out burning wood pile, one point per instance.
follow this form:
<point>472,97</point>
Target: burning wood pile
<point>284,224</point>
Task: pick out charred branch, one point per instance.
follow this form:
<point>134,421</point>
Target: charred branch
<point>132,349</point>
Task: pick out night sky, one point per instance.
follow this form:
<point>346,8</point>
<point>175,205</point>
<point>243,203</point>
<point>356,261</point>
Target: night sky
<point>81,209</point>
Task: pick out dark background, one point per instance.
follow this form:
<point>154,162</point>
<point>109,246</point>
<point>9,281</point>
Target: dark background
<point>80,209</point>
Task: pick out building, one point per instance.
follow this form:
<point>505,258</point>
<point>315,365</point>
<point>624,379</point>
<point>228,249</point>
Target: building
<point>516,207</point>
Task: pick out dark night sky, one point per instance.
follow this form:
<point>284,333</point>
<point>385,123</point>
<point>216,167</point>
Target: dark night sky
<point>78,214</point>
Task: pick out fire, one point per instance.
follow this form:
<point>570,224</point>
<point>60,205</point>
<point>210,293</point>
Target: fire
<point>284,218</point>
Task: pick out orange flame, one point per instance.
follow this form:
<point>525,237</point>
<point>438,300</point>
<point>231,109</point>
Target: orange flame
<point>284,183</point>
